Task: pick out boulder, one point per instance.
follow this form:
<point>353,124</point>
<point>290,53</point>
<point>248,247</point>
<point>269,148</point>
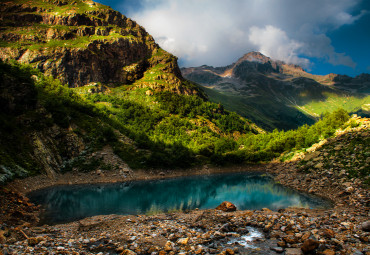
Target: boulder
<point>226,207</point>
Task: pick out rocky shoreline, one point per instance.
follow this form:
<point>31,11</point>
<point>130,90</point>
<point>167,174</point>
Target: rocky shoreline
<point>323,171</point>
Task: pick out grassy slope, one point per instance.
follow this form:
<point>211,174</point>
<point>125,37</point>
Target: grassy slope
<point>333,102</point>
<point>166,130</point>
<point>258,109</point>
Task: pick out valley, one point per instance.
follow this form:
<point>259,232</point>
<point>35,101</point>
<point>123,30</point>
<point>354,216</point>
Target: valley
<point>89,98</point>
<point>277,95</point>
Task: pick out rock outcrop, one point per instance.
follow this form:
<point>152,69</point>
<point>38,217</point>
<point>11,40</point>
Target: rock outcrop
<point>80,42</point>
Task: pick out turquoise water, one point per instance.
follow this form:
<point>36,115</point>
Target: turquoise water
<point>245,190</point>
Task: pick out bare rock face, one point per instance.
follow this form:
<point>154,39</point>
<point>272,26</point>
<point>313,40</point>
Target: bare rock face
<point>80,42</point>
<point>226,207</point>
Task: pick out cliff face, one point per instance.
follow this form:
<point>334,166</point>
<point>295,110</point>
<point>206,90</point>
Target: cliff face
<point>80,42</point>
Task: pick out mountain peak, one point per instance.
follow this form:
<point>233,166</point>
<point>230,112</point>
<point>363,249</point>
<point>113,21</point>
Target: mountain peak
<point>255,56</point>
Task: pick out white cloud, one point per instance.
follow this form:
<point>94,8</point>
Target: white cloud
<point>274,42</point>
<point>217,32</point>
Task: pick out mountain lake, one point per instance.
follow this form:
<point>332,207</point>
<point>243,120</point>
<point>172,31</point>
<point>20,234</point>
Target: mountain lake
<point>248,191</point>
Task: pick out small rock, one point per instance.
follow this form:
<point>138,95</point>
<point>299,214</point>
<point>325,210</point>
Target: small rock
<point>365,226</point>
<point>266,210</point>
<point>319,165</point>
<point>183,241</point>
<point>338,147</point>
<point>32,241</point>
<point>226,207</point>
<point>349,189</point>
<point>328,252</point>
<point>225,228</point>
<point>290,239</point>
<point>293,251</point>
<point>281,244</point>
<point>356,252</point>
<point>128,252</point>
<point>2,238</point>
<point>230,251</point>
<point>277,249</point>
<point>169,246</point>
<point>309,246</point>
<point>328,233</point>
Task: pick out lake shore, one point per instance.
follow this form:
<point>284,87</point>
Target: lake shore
<point>202,231</point>
<point>33,183</point>
<point>343,229</point>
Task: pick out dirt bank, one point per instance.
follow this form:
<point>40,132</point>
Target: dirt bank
<point>29,184</point>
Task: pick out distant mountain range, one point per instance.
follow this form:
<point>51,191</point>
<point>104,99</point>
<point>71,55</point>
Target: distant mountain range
<point>274,94</point>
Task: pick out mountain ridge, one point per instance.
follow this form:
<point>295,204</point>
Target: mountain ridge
<point>278,95</point>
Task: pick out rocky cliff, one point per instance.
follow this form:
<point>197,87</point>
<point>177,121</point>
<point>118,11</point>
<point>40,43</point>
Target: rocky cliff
<point>80,42</point>
<point>278,95</point>
<point>85,88</point>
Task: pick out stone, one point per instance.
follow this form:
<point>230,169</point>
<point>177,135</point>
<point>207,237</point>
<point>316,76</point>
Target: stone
<point>349,189</point>
<point>183,241</point>
<point>365,226</point>
<point>128,252</point>
<point>293,251</point>
<point>32,241</point>
<point>328,233</point>
<point>226,228</point>
<point>309,246</point>
<point>277,249</point>
<point>328,252</point>
<point>319,165</point>
<point>290,239</point>
<point>229,251</point>
<point>266,210</point>
<point>338,147</point>
<point>2,237</point>
<point>169,246</point>
<point>356,252</point>
<point>306,236</point>
<point>226,207</point>
<point>281,244</point>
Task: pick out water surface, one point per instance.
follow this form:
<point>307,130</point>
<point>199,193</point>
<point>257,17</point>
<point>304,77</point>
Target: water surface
<point>245,190</point>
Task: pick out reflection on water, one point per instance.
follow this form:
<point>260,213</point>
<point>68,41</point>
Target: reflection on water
<point>245,190</point>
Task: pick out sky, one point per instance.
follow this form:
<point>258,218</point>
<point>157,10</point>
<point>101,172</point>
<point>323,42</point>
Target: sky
<point>322,36</point>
